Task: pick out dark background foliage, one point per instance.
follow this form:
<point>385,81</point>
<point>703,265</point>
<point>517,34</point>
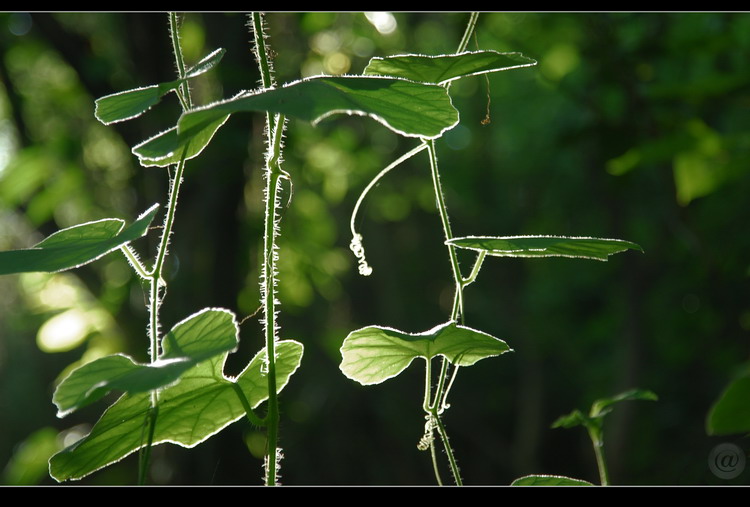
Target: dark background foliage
<point>632,126</point>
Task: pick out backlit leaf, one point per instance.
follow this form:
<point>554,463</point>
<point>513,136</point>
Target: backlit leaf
<point>130,104</point>
<point>445,68</point>
<point>199,406</point>
<point>545,246</point>
<point>166,148</point>
<point>407,108</point>
<point>373,354</point>
<point>195,339</point>
<point>549,480</point>
<point>75,246</point>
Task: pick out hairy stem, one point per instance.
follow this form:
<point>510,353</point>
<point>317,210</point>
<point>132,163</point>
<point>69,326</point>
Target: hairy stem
<point>442,209</point>
<point>273,173</point>
<point>156,281</point>
<point>174,33</point>
<point>449,451</point>
<point>270,256</point>
<point>440,401</point>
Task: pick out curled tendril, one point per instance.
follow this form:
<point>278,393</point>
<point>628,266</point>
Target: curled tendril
<point>428,438</point>
<point>359,252</point>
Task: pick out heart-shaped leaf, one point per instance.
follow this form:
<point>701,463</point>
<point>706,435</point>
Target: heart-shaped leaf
<point>549,480</point>
<point>75,246</point>
<point>130,104</point>
<point>197,338</point>
<point>444,68</point>
<point>545,246</point>
<point>199,406</point>
<point>408,108</point>
<point>373,354</point>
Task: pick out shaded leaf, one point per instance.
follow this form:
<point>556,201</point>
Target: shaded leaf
<point>600,408</point>
<point>571,420</point>
<point>166,148</point>
<point>545,246</point>
<point>75,246</point>
<point>130,104</point>
<point>407,108</point>
<point>549,480</point>
<point>199,406</point>
<point>731,412</point>
<point>197,338</point>
<point>603,406</point>
<point>445,68</point>
<point>373,354</point>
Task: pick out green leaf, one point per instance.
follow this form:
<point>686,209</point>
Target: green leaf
<point>600,408</point>
<point>199,406</point>
<point>445,68</point>
<point>407,108</point>
<point>75,246</point>
<point>130,104</point>
<point>166,148</point>
<point>603,406</point>
<point>571,420</point>
<point>373,354</point>
<point>207,63</point>
<point>731,412</point>
<point>197,338</point>
<point>545,246</point>
<point>549,480</point>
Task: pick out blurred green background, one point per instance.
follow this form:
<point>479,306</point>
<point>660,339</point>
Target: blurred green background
<point>632,126</point>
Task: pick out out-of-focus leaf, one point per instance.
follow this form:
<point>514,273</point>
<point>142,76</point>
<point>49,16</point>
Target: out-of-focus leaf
<point>373,354</point>
<point>604,405</point>
<point>731,412</point>
<point>28,465</point>
<point>600,408</point>
<point>75,246</point>
<point>444,68</point>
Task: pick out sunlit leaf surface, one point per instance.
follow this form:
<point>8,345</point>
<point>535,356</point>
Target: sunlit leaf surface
<point>545,246</point>
<point>75,246</point>
<point>373,354</point>
<point>200,405</point>
<point>549,480</point>
<point>130,104</point>
<point>197,338</point>
<point>407,108</point>
<point>444,68</point>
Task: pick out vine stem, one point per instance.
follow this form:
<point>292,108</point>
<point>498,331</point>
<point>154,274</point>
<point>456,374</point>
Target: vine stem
<point>439,403</point>
<point>274,128</point>
<point>273,174</point>
<point>596,440</point>
<point>154,276</point>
